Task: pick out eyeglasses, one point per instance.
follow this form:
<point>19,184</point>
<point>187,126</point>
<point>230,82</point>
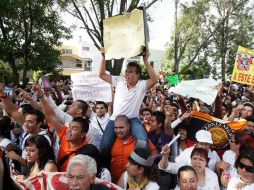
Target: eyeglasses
<point>249,169</point>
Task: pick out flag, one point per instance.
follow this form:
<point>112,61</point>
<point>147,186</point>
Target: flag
<point>221,130</point>
<point>173,79</point>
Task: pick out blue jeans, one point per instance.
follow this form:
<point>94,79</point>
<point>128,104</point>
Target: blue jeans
<point>109,136</point>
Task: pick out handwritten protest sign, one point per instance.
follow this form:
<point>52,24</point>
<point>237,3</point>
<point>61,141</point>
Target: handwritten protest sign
<point>125,35</point>
<point>88,86</point>
<point>244,66</point>
<point>203,89</point>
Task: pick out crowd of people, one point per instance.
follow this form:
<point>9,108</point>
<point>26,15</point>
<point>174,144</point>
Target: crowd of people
<point>125,141</point>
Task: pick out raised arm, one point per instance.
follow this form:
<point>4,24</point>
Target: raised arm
<point>24,95</point>
<point>10,107</point>
<point>167,124</point>
<point>102,71</point>
<point>151,72</point>
<point>49,112</point>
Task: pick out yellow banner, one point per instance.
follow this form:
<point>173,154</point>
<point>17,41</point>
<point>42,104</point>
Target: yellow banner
<point>244,66</point>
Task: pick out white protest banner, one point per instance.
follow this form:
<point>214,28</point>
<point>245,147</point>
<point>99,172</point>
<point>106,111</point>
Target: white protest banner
<point>88,86</point>
<point>55,181</point>
<point>126,35</point>
<point>203,89</point>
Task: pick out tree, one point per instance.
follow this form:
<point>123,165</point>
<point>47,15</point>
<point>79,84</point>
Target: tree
<point>30,32</point>
<point>92,12</point>
<point>208,31</point>
<point>5,73</point>
<point>236,29</point>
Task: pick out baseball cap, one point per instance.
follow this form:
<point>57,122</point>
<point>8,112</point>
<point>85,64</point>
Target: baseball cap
<point>204,136</point>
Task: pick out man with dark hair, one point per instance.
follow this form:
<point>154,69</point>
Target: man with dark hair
<point>78,108</point>
<point>99,121</point>
<point>241,112</point>
<point>146,114</point>
<point>250,122</point>
<point>129,95</point>
<point>32,126</point>
<point>159,133</point>
<point>138,67</point>
<point>71,138</point>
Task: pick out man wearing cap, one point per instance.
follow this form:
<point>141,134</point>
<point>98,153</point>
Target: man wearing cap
<point>204,140</point>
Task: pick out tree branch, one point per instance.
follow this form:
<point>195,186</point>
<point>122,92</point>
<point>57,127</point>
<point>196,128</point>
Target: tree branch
<point>150,4</point>
<point>96,33</point>
<point>86,25</point>
<point>95,11</point>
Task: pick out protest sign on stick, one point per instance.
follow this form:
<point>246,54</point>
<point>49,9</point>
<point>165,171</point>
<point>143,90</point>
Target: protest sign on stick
<point>126,35</point>
<point>88,86</point>
<point>244,66</point>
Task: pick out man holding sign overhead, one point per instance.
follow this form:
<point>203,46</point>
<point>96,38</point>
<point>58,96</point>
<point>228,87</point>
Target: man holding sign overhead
<point>129,94</point>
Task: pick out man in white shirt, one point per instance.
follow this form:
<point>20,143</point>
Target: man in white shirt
<point>129,95</point>
<point>99,121</point>
<point>204,140</point>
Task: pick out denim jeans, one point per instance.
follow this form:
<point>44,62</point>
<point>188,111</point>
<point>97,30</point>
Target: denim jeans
<point>109,136</point>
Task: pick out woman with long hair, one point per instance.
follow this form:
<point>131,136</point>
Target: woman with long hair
<point>141,172</point>
<point>39,157</point>
<point>207,179</point>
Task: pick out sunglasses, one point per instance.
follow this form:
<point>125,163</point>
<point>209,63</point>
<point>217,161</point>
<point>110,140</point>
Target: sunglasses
<point>249,169</point>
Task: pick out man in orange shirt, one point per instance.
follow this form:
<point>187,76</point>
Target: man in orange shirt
<point>72,138</point>
<point>123,147</point>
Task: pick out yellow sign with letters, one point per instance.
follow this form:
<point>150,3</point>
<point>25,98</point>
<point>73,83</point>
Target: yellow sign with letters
<point>244,66</point>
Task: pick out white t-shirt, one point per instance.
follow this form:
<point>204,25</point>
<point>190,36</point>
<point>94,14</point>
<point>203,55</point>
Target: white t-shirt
<point>127,102</point>
<point>211,181</point>
<point>95,129</point>
<point>184,157</point>
<point>234,181</point>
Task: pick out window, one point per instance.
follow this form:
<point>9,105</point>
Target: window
<point>88,65</point>
<point>79,65</point>
<point>66,51</point>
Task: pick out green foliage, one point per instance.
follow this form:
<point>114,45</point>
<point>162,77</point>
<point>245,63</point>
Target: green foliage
<point>5,73</point>
<point>144,75</point>
<point>208,33</point>
<point>30,32</point>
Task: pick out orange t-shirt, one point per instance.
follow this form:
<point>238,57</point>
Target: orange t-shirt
<point>120,154</point>
<point>65,148</point>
